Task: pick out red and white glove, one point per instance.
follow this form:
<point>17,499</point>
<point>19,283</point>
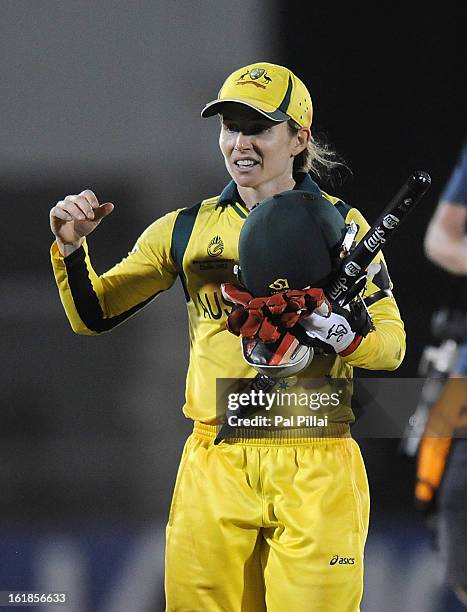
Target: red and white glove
<point>266,326</point>
<point>341,331</point>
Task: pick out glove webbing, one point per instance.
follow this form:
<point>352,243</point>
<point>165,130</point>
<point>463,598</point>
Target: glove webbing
<point>267,317</point>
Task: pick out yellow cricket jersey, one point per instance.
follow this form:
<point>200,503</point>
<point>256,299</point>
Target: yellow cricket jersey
<point>200,245</point>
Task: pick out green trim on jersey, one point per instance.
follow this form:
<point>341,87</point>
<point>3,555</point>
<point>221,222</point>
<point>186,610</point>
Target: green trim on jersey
<point>239,211</point>
<point>180,237</point>
<point>343,208</point>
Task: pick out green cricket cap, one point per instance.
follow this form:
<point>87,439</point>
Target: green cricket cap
<point>290,241</point>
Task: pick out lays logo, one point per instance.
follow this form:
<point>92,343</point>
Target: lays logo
<point>255,76</point>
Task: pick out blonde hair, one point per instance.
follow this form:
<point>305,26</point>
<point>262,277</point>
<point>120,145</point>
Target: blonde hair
<point>318,157</point>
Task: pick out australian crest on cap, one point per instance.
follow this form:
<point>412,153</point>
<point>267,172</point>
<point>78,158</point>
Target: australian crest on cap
<point>256,73</point>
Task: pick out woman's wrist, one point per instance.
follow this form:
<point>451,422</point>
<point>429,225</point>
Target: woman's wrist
<point>68,249</point>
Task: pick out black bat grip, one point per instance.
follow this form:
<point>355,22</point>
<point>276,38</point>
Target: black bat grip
<point>382,230</point>
<point>355,264</point>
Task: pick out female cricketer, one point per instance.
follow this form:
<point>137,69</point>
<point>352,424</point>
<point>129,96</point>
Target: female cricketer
<point>277,523</point>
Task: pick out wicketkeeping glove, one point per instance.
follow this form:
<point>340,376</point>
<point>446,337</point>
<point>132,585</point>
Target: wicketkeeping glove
<point>342,330</point>
<point>268,317</point>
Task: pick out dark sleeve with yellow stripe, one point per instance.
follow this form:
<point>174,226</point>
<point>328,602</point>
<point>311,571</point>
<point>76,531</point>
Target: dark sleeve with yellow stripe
<point>97,303</point>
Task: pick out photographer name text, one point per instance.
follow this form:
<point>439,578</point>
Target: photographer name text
<point>278,421</point>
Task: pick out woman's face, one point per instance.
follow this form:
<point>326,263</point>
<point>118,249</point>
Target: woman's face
<point>257,151</point>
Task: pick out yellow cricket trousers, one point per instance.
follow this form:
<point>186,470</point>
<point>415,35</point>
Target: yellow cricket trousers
<point>267,524</point>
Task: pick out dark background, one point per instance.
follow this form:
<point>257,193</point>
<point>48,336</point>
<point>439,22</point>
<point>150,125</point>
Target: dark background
<point>108,98</point>
<point>389,94</point>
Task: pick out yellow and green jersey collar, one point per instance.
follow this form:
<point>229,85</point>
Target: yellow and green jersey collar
<point>230,197</point>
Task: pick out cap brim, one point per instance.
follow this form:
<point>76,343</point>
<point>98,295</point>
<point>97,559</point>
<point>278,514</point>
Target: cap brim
<point>215,107</point>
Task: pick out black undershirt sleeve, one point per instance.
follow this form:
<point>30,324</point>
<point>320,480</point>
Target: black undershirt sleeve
<point>86,300</point>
